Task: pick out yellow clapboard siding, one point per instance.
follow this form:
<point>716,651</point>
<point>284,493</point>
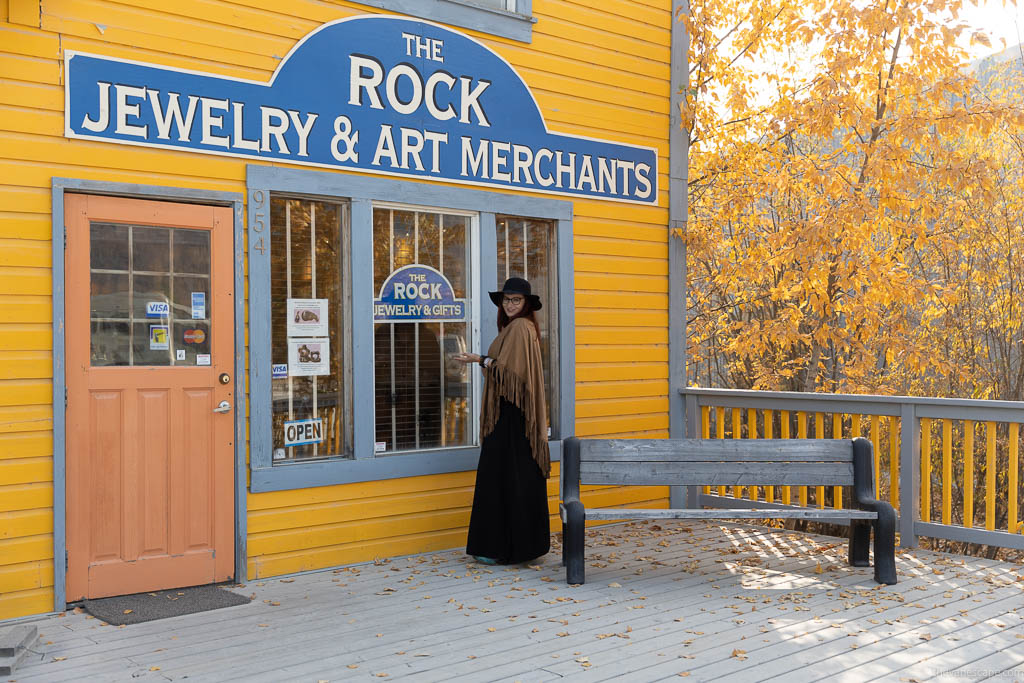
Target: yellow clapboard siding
<point>26,576</point>
<point>613,335</point>
<point>22,252</point>
<point>21,308</point>
<point>27,337</point>
<point>15,392</point>
<point>366,489</point>
<point>620,229</point>
<point>354,510</point>
<point>596,426</point>
<point>23,523</point>
<point>620,354</point>
<point>603,246</point>
<point>47,97</point>
<point>26,120</point>
<point>611,317</point>
<point>22,40</point>
<point>657,16</point>
<point>545,44</point>
<point>104,156</point>
<point>24,199</point>
<point>20,603</point>
<point>195,37</point>
<point>335,534</point>
<point>26,445</point>
<point>606,372</point>
<point>657,215</point>
<point>628,300</point>
<point>18,550</point>
<point>318,558</point>
<point>25,419</point>
<point>526,60</point>
<point>26,471</point>
<point>25,280</point>
<point>591,16</point>
<point>619,496</point>
<point>622,283</point>
<point>26,225</point>
<point>620,130</point>
<point>30,69</point>
<point>605,407</point>
<point>614,390</point>
<point>21,497</point>
<point>588,263</point>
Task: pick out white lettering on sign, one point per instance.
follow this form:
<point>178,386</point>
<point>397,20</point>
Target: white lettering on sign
<point>302,432</point>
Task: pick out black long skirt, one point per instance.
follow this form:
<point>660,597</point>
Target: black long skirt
<point>509,522</point>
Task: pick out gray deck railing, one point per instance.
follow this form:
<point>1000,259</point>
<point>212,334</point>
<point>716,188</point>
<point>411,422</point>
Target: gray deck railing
<point>960,479</point>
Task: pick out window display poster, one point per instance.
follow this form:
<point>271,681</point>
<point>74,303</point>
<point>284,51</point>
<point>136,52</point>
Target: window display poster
<point>198,305</point>
<point>307,317</point>
<point>308,357</point>
<point>159,338</point>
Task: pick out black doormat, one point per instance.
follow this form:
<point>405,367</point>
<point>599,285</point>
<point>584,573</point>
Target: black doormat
<point>139,607</point>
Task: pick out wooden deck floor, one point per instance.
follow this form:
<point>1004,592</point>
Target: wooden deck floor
<point>706,601</point>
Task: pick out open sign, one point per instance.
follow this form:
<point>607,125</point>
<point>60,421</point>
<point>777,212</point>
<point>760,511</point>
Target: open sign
<point>302,432</point>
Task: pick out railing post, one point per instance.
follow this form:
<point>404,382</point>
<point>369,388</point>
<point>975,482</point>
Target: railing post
<point>910,475</point>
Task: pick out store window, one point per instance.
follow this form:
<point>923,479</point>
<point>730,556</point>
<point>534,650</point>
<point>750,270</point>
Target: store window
<point>308,319</point>
<point>506,18</point>
<point>149,288</point>
<point>526,249</point>
<point>421,277</point>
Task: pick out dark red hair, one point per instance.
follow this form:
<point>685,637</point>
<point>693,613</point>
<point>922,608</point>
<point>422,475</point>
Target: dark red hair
<point>524,312</point>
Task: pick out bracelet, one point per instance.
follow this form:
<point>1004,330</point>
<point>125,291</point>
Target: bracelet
<point>483,361</point>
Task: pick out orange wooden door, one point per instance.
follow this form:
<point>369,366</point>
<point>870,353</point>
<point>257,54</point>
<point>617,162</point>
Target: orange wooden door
<point>149,348</point>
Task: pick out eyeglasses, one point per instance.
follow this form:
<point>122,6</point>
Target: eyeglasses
<point>514,300</point>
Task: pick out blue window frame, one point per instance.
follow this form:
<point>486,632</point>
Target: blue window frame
<point>486,16</point>
<point>359,194</point>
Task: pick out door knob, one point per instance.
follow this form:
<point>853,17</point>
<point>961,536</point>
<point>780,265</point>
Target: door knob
<point>222,407</point>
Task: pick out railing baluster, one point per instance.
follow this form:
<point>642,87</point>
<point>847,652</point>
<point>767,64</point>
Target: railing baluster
<point>894,463</point>
<point>968,473</point>
<point>705,433</point>
<point>737,433</point>
<point>910,481</point>
<point>752,492</point>
<point>990,476</point>
<point>1011,505</point>
<point>837,433</point>
<point>947,471</point>
<point>720,433</point>
<point>926,469</point>
<point>784,423</point>
<point>819,433</point>
<point>801,432</point>
<point>769,417</point>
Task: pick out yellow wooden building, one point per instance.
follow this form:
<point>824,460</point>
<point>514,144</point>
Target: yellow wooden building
<point>240,242</point>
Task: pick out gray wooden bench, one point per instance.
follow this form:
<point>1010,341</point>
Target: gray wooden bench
<point>728,462</point>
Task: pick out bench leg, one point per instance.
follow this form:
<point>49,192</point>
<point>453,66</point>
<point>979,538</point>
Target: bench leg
<point>572,542</point>
<point>860,540</point>
<point>885,545</point>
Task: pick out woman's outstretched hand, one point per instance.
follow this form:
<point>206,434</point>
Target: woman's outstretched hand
<point>467,357</point>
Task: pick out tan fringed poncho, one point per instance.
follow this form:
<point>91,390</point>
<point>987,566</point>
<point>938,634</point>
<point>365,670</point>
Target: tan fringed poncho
<point>517,375</point>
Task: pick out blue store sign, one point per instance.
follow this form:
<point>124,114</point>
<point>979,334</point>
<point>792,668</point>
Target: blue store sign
<point>377,94</point>
<point>418,293</point>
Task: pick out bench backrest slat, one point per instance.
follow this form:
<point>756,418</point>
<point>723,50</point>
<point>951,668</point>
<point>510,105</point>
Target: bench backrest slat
<point>717,473</point>
<point>717,462</point>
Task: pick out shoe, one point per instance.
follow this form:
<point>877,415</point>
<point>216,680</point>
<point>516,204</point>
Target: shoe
<point>485,560</point>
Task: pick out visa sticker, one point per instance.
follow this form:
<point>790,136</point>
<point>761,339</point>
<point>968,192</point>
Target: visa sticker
<point>279,371</point>
<point>157,309</point>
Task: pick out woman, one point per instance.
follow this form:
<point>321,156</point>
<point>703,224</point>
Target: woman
<point>509,523</point>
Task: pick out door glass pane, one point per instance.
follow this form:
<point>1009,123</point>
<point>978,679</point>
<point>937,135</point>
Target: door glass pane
<point>307,342</point>
<point>525,249</point>
<point>422,396</point>
<point>136,294</point>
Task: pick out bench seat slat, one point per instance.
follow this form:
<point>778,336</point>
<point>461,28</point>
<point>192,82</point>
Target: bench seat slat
<point>717,473</point>
<point>721,513</point>
<point>784,450</point>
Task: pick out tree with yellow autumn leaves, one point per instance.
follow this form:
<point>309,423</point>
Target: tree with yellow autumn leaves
<point>856,201</point>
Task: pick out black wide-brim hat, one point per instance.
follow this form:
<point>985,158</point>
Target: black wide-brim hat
<point>517,285</point>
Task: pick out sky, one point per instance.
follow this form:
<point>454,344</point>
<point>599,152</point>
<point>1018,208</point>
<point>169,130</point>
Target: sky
<point>1001,21</point>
